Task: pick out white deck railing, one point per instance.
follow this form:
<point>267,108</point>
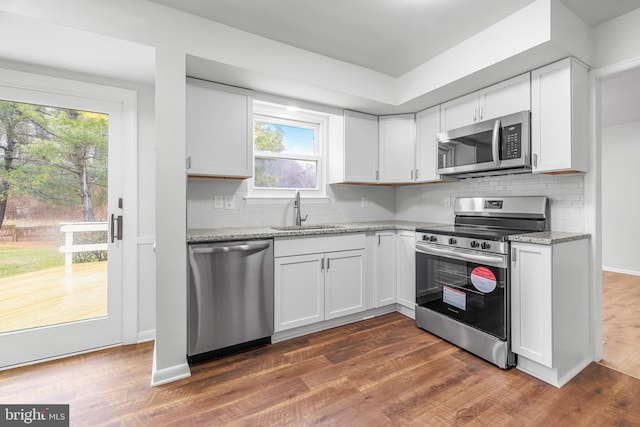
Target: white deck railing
<point>69,228</point>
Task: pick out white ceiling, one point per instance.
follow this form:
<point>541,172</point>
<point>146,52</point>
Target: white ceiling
<point>389,36</point>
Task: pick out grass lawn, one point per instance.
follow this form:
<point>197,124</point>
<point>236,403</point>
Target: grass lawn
<point>18,259</point>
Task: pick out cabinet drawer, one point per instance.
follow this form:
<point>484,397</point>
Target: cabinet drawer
<point>290,246</point>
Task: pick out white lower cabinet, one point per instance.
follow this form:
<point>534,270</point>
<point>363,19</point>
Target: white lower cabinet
<point>310,288</point>
<point>550,309</point>
<point>344,283</point>
<point>299,291</point>
<point>385,268</point>
<point>406,268</point>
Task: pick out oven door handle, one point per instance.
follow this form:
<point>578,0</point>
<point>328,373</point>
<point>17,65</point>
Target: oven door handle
<point>498,261</point>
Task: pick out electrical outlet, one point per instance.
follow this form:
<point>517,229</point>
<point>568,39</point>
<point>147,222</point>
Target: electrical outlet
<point>365,202</point>
<point>218,202</point>
<point>229,202</point>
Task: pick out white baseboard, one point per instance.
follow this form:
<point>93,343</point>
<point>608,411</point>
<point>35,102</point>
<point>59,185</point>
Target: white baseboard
<point>409,312</point>
<point>328,324</point>
<point>621,271</point>
<point>170,374</point>
<point>145,336</point>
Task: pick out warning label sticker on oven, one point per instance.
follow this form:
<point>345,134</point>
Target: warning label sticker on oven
<point>483,279</point>
<point>454,297</point>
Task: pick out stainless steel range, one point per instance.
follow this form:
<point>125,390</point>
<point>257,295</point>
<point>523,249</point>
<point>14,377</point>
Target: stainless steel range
<point>463,277</point>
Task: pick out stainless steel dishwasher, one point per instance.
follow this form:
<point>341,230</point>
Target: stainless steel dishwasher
<point>230,297</point>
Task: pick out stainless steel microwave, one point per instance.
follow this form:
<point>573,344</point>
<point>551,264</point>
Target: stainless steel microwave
<point>492,147</point>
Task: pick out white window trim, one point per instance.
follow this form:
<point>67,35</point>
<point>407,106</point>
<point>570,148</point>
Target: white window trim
<point>277,113</point>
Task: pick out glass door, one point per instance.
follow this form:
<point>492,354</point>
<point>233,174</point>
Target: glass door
<point>60,213</point>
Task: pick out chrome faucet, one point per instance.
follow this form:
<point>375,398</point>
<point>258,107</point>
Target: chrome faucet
<point>297,216</point>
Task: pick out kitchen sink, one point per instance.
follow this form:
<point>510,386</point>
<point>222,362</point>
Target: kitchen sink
<point>307,227</point>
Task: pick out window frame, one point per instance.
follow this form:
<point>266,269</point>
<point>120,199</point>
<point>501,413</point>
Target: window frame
<point>279,114</point>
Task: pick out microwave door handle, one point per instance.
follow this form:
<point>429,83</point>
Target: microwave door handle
<point>495,142</point>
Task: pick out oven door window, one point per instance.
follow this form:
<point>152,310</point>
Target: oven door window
<point>471,293</point>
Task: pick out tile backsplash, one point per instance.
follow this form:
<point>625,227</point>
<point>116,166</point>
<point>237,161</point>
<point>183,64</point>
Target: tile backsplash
<point>429,202</point>
<point>343,204</point>
<point>435,202</point>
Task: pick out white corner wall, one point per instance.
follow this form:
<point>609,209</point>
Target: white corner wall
<point>620,200</point>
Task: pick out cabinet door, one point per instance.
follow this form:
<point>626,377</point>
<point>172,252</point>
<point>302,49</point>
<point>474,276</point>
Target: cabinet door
<point>385,270</point>
<point>459,112</point>
<point>427,128</point>
<point>397,148</point>
<point>344,283</point>
<point>507,97</point>
<point>299,291</point>
<point>406,268</point>
<point>219,134</point>
<point>559,114</point>
<point>360,147</point>
<point>531,302</point>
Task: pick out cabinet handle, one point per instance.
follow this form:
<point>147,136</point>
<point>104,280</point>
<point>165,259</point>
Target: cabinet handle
<point>475,112</point>
<point>417,173</point>
<point>378,240</point>
<point>514,256</point>
<point>535,159</point>
<point>481,113</point>
<point>328,263</point>
<point>377,175</point>
<point>188,162</point>
<point>322,264</point>
<point>411,174</point>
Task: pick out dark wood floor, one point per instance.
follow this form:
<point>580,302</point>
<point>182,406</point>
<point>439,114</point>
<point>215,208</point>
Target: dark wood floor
<point>382,371</point>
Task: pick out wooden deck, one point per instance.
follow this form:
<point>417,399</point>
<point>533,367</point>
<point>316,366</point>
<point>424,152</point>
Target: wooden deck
<point>53,296</point>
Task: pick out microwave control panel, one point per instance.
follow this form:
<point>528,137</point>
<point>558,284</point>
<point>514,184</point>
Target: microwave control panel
<point>511,142</point>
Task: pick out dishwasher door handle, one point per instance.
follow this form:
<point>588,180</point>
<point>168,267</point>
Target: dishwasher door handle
<point>218,249</point>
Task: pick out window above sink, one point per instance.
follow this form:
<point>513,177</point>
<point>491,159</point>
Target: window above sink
<point>289,150</point>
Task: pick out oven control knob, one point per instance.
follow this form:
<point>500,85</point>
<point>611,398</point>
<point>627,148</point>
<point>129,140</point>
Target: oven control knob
<point>485,245</point>
<point>475,244</point>
<point>452,241</point>
<point>425,238</point>
<point>433,239</point>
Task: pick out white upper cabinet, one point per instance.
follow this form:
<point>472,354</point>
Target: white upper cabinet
<point>397,146</point>
<point>360,147</point>
<point>426,153</point>
<point>219,130</point>
<point>559,115</point>
<point>507,97</point>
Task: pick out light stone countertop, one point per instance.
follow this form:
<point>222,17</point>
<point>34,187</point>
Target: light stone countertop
<point>548,237</point>
<point>202,235</point>
<point>218,234</point>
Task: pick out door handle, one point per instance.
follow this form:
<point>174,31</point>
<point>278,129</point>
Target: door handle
<point>116,231</point>
<point>495,142</point>
<point>235,248</point>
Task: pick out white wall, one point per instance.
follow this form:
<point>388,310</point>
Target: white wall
<point>429,202</point>
<point>620,200</point>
